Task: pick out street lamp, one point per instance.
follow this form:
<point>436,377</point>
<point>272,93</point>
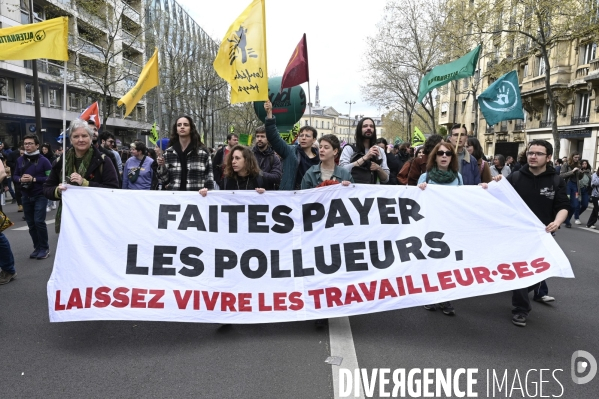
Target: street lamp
<point>350,102</point>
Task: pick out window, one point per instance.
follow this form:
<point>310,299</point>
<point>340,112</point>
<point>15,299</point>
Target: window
<point>29,96</point>
<point>525,73</point>
<point>54,98</point>
<point>584,105</point>
<point>38,12</point>
<point>548,116</point>
<point>306,122</point>
<point>7,88</point>
<point>74,103</point>
<point>328,125</point>
<point>588,53</point>
<point>463,106</point>
<point>541,70</point>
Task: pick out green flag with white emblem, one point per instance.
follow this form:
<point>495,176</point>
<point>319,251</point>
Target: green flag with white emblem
<point>501,101</point>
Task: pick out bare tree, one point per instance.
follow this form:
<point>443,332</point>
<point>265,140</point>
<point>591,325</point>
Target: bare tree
<point>405,48</point>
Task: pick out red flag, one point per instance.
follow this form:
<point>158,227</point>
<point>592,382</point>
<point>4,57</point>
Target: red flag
<point>297,69</point>
<point>92,112</point>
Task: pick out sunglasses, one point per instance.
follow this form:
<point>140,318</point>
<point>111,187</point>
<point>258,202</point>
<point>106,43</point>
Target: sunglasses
<point>441,153</point>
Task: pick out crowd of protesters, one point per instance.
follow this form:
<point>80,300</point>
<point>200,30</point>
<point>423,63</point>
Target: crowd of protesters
<point>33,174</point>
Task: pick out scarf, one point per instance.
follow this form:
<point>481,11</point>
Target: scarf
<point>442,176</point>
<point>70,165</point>
<point>30,154</point>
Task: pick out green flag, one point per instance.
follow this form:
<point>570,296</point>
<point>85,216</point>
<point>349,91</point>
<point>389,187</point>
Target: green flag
<point>501,101</point>
<point>417,138</point>
<point>443,74</point>
<point>154,134</point>
<point>245,139</point>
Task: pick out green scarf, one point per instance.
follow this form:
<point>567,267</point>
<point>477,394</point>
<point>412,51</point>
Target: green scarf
<point>442,176</point>
<point>70,165</point>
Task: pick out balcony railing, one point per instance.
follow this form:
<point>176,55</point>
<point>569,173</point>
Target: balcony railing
<point>595,65</point>
<point>132,41</point>
<point>582,71</point>
<point>132,67</point>
<point>545,123</point>
<point>578,120</point>
<point>131,12</point>
<point>519,126</point>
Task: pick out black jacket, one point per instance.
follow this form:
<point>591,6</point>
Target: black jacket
<point>271,167</point>
<point>539,192</point>
<point>217,166</point>
<point>101,173</point>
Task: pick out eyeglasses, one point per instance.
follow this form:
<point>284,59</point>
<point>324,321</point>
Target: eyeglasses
<point>535,154</point>
<point>441,153</point>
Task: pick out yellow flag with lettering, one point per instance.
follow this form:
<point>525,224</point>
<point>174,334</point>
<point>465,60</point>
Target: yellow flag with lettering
<point>48,39</point>
<point>241,58</point>
<point>148,79</point>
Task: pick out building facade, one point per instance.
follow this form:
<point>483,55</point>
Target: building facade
<point>574,79</point>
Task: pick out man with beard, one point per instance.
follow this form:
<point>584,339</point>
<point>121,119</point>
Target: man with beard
<point>218,162</point>
<point>268,161</point>
<point>365,160</point>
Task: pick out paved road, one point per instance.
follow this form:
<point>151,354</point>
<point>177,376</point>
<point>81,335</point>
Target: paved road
<point>163,360</point>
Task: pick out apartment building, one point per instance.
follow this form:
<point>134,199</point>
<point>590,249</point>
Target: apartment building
<point>95,47</point>
<point>574,78</point>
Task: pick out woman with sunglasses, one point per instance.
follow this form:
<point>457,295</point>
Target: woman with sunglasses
<point>442,168</point>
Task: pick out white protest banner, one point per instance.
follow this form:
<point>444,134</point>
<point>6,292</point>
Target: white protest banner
<point>244,257</point>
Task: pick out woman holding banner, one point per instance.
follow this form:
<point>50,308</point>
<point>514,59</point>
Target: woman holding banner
<point>85,166</point>
<point>185,164</point>
<point>326,170</point>
<point>241,172</point>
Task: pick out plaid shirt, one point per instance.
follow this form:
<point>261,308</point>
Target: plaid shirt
<point>199,171</point>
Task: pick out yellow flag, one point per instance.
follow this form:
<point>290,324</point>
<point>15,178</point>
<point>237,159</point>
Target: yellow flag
<point>48,39</point>
<point>147,80</point>
<point>241,58</point>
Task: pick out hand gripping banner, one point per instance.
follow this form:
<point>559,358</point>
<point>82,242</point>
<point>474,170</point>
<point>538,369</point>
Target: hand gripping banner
<point>244,257</point>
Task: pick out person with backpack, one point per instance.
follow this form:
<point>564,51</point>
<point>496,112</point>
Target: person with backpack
<point>85,166</point>
<point>365,160</point>
<point>241,172</point>
<point>296,159</point>
<point>544,192</point>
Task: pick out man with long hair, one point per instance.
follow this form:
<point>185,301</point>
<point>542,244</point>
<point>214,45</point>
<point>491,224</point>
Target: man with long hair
<point>365,160</point>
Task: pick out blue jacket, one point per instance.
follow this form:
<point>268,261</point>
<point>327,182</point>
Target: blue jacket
<point>288,153</point>
<point>39,169</point>
<point>470,172</point>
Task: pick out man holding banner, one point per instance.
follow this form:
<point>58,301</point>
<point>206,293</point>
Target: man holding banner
<point>468,165</point>
<point>545,194</point>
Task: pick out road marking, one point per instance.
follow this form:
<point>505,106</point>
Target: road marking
<point>27,227</point>
<point>342,345</point>
<point>588,229</point>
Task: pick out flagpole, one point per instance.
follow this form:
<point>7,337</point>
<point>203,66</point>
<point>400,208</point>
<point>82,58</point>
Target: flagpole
<point>309,103</point>
<point>158,93</point>
<point>64,123</point>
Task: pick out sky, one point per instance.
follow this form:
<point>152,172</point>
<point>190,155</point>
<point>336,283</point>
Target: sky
<point>336,32</point>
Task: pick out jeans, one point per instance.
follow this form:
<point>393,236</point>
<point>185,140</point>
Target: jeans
<point>578,204</point>
<point>35,215</point>
<point>593,217</point>
<point>7,261</point>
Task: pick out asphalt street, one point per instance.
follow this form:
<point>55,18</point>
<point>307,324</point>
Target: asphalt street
<point>162,360</point>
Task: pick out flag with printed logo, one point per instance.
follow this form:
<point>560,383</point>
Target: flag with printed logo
<point>501,101</point>
<point>241,58</point>
<point>47,39</point>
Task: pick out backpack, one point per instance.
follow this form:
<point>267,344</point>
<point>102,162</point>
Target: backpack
<point>402,176</point>
<point>362,174</point>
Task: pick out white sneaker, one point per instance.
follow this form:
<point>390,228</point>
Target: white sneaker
<point>577,221</point>
<point>592,227</point>
<point>47,209</point>
<point>545,298</point>
<point>53,206</point>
